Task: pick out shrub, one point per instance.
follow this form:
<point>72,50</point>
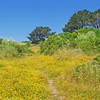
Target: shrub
<point>53,43</point>
<point>13,49</point>
<point>86,39</point>
<point>1,40</point>
<point>21,49</point>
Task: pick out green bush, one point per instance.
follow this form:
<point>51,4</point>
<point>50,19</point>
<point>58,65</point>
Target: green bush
<point>1,40</point>
<point>86,39</point>
<point>21,49</point>
<point>13,49</point>
<point>53,43</point>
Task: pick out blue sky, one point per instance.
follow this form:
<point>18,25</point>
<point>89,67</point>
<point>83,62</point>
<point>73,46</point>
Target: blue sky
<point>19,17</point>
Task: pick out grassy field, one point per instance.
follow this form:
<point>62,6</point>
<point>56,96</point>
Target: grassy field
<point>28,78</point>
<point>21,79</point>
<point>72,84</point>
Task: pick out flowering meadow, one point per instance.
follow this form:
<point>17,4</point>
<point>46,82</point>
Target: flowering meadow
<point>74,76</point>
<point>27,78</point>
<point>20,79</point>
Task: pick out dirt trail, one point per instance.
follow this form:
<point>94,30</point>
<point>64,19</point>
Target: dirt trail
<point>55,93</point>
<point>54,90</point>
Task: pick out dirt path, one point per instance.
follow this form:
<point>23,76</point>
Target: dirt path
<point>54,90</point>
<point>55,93</point>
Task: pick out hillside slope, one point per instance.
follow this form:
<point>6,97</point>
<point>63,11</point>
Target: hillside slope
<point>29,78</point>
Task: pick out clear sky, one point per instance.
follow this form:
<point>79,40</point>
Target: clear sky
<point>19,17</point>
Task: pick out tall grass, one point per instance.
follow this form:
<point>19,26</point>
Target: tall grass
<point>76,75</point>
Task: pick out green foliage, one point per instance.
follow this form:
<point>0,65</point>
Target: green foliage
<point>95,20</point>
<point>87,72</point>
<point>89,75</point>
<point>1,40</point>
<point>28,44</point>
<point>13,49</point>
<point>40,34</point>
<point>86,39</point>
<point>83,19</point>
<point>53,43</point>
<point>22,49</point>
<point>77,21</point>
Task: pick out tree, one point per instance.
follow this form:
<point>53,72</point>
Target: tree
<point>83,19</point>
<point>96,18</point>
<point>40,34</point>
<point>77,21</point>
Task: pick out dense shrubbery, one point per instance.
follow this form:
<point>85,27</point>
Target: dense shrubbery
<point>12,49</point>
<point>86,39</point>
<point>53,43</point>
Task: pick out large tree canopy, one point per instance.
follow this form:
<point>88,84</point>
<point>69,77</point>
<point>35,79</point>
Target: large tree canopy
<point>77,21</point>
<point>40,34</point>
<point>82,19</point>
